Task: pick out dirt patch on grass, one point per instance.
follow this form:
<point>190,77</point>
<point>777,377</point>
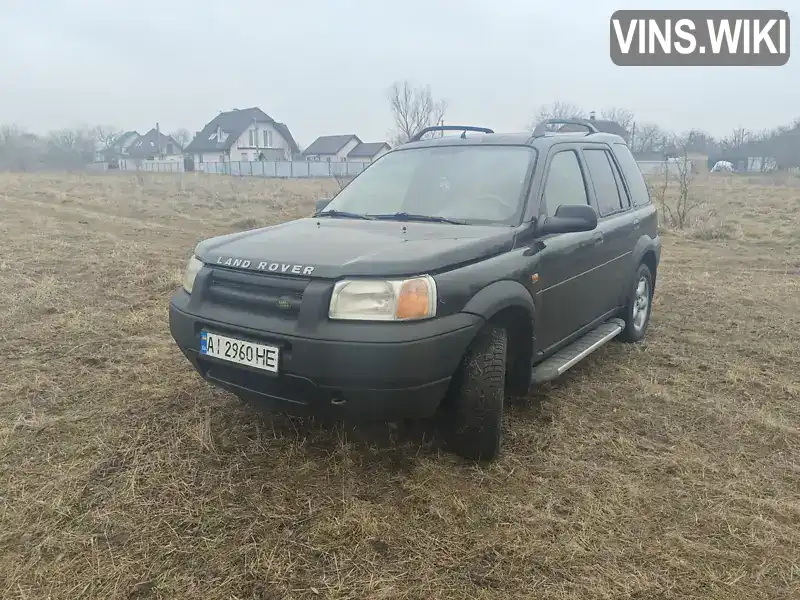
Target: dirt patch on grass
<point>666,469</point>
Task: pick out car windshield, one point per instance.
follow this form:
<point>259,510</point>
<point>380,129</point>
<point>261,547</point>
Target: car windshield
<point>470,184</point>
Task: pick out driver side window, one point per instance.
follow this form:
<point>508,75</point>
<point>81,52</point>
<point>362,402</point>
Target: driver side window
<point>564,183</point>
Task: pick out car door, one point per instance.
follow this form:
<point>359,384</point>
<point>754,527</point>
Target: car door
<point>615,225</point>
<point>566,261</point>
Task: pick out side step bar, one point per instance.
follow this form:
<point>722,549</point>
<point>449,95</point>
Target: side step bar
<point>565,358</point>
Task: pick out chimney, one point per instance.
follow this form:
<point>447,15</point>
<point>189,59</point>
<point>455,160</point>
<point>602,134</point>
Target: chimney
<point>591,116</point>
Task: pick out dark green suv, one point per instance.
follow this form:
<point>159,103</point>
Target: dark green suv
<point>449,274</point>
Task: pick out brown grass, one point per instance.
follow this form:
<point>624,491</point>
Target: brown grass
<point>667,469</point>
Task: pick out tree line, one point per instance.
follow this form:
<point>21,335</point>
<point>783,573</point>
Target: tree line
<point>66,148</point>
<point>414,107</point>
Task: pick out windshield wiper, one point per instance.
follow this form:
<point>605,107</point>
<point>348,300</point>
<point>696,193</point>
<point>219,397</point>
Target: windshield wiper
<point>404,216</point>
<point>340,213</point>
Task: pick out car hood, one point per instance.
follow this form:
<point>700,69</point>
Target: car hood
<point>333,248</point>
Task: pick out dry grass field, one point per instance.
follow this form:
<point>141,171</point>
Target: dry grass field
<point>667,469</point>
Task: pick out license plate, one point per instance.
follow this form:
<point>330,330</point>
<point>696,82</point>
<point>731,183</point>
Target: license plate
<point>258,356</point>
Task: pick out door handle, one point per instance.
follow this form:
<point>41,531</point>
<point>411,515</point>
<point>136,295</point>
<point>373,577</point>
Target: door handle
<point>597,238</point>
<point>636,222</point>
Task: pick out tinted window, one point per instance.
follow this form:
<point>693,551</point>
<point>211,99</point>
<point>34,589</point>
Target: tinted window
<point>605,184</point>
<point>626,198</point>
<point>478,184</point>
<point>564,183</point>
<point>632,174</point>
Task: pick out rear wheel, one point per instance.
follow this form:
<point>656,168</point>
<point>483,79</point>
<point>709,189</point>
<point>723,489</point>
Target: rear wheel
<point>475,407</point>
<point>640,305</point>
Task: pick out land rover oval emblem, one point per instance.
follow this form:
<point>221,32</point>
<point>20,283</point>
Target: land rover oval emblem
<point>284,303</point>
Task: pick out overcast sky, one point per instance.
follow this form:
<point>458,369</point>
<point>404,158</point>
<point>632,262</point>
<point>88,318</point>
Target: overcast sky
<point>323,66</point>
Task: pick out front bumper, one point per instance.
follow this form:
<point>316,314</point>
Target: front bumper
<point>361,371</point>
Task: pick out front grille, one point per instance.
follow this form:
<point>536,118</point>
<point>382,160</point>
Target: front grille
<point>265,294</point>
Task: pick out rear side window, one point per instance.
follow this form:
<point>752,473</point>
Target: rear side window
<point>605,184</point>
<point>564,183</point>
<point>633,176</point>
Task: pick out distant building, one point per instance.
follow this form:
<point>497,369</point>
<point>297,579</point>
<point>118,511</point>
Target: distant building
<point>118,148</point>
<point>153,146</point>
<point>332,147</point>
<point>368,151</point>
<point>247,134</point>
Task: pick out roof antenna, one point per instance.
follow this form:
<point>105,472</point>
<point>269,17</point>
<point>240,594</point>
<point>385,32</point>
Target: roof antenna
<point>464,134</point>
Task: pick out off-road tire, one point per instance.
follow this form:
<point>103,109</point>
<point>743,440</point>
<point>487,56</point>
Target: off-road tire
<point>474,417</point>
<point>631,333</point>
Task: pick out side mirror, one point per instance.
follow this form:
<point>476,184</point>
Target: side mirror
<point>570,218</point>
<point>322,203</point>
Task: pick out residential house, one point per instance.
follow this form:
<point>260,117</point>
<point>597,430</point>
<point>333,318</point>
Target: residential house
<point>118,148</point>
<point>332,147</point>
<point>246,134</point>
<point>153,146</point>
<point>368,151</point>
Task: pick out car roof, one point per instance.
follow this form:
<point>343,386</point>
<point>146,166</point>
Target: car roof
<point>525,138</point>
<point>541,136</point>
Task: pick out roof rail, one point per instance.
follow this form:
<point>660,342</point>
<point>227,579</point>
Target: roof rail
<point>542,127</point>
<point>465,128</point>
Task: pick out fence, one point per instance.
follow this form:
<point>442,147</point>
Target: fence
<point>657,167</point>
<point>286,169</point>
<point>299,169</point>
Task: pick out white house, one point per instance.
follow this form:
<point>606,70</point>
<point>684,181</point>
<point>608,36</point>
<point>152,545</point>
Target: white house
<point>368,151</point>
<point>332,147</point>
<point>247,134</point>
<point>152,146</point>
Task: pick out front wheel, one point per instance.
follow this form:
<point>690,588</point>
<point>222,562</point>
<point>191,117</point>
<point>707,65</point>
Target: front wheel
<point>475,416</point>
<point>640,305</point>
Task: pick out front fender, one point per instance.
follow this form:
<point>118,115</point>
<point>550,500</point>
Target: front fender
<point>497,296</point>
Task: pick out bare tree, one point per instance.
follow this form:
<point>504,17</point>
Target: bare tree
<point>106,135</point>
<point>413,109</point>
<point>621,116</point>
<point>677,213</point>
<point>19,150</point>
<point>182,136</point>
<point>9,134</point>
<point>68,148</point>
<point>649,137</point>
<point>64,139</point>
<point>557,110</point>
<point>699,141</point>
<point>740,136</point>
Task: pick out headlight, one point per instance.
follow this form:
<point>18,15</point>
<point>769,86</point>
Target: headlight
<point>192,269</point>
<point>375,300</point>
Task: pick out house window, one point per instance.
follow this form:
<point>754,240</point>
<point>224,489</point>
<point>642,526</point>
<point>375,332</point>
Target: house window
<point>252,138</point>
<point>169,149</point>
<point>201,159</point>
<point>267,138</point>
